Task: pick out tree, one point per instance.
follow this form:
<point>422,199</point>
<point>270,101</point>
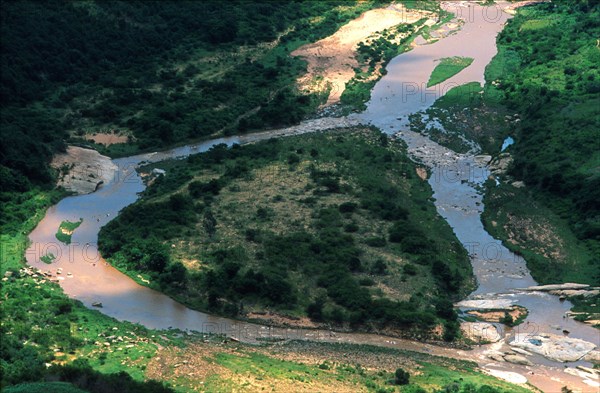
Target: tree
<point>451,330</point>
<point>315,309</point>
<point>401,377</point>
<point>507,319</point>
<point>174,273</point>
<point>157,257</point>
<point>210,223</point>
<point>379,267</point>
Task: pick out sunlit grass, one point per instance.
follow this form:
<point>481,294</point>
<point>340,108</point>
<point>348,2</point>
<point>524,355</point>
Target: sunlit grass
<point>447,68</point>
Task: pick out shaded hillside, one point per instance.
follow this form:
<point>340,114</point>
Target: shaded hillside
<point>159,72</point>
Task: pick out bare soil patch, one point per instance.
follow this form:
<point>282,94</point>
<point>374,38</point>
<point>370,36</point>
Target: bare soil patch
<point>334,58</point>
<point>107,139</point>
<point>516,312</point>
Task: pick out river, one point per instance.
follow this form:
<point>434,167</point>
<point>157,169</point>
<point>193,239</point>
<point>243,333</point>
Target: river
<point>455,181</point>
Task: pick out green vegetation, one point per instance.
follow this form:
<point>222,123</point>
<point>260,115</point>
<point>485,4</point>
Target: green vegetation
<point>447,68</point>
<point>464,115</point>
<point>48,258</point>
<point>149,71</point>
<point>538,234</point>
<point>336,226</point>
<point>65,231</point>
<point>401,377</point>
<point>550,76</point>
<point>326,367</point>
<point>557,88</point>
<point>162,77</point>
<point>541,89</point>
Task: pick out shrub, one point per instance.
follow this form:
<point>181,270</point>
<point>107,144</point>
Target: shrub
<point>379,267</point>
<point>347,207</point>
<point>409,269</point>
<point>401,377</point>
<point>376,242</point>
<point>351,227</point>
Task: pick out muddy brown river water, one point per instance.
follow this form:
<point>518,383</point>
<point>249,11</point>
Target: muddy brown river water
<point>455,179</point>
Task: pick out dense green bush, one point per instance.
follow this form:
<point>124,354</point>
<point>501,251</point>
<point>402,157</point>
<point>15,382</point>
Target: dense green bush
<point>140,68</point>
<point>326,257</point>
<point>557,146</point>
<point>401,377</point>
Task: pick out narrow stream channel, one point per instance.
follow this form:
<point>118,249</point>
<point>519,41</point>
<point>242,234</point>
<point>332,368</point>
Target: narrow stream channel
<point>455,180</point>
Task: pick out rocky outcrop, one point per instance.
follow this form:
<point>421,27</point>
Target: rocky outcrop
<point>500,164</point>
<point>83,170</point>
<point>576,292</point>
<point>593,357</point>
<point>556,287</point>
<point>567,289</point>
<point>554,347</point>
<point>517,359</point>
<point>487,304</point>
<point>480,332</point>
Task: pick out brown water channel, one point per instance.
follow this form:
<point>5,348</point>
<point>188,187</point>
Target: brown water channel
<point>87,277</point>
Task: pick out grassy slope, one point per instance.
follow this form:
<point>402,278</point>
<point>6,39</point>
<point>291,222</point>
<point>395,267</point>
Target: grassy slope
<point>281,218</point>
<point>550,82</point>
<point>540,91</point>
<point>302,366</point>
<point>560,243</point>
<point>447,68</point>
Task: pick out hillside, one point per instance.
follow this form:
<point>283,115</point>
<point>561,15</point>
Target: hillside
<point>337,227</point>
<point>549,57</point>
<point>542,90</point>
<point>149,73</point>
<point>327,242</point>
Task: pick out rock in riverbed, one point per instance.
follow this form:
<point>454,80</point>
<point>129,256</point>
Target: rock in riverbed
<point>83,170</point>
<point>554,347</point>
<point>480,332</point>
<point>487,304</point>
<point>593,357</point>
<point>517,359</point>
<point>508,376</point>
<point>556,287</point>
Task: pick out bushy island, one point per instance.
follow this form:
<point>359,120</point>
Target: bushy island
<point>335,226</point>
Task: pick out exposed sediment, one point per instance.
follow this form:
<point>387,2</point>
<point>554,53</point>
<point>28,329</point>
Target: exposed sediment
<point>83,170</point>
